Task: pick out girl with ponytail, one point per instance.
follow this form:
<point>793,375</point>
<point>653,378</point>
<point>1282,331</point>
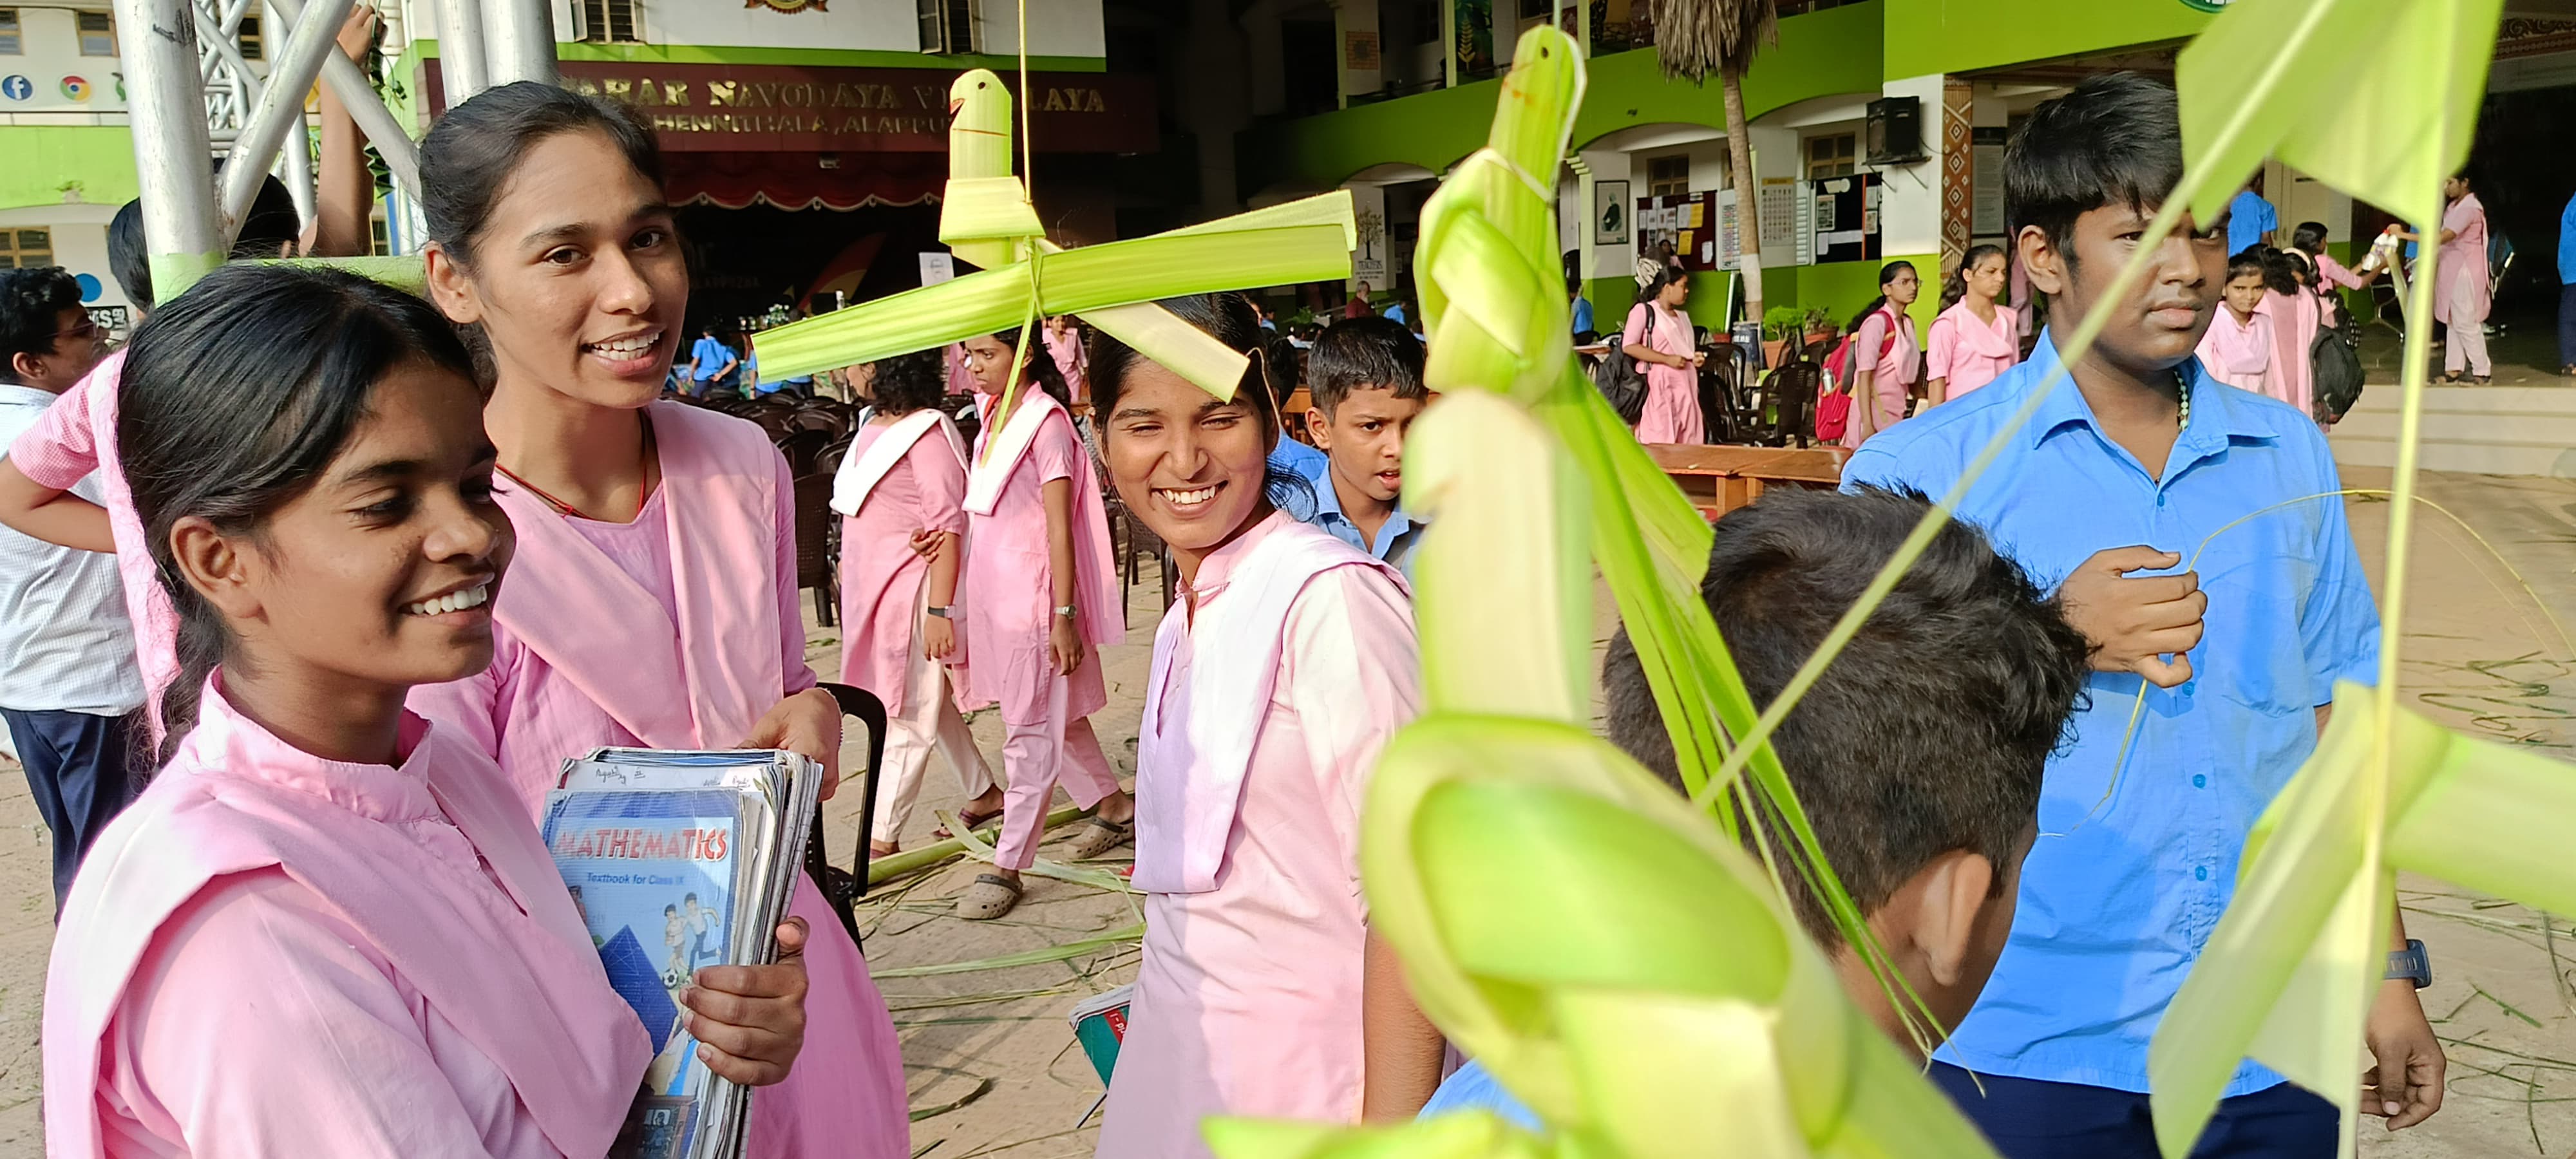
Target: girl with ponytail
<point>1882,353</point>
<point>1975,338</point>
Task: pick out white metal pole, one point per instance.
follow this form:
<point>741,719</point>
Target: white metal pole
<point>519,41</point>
<point>166,104</point>
<point>391,140</point>
<point>461,71</point>
<point>281,105</point>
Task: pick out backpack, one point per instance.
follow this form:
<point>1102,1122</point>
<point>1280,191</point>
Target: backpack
<point>2334,368</point>
<point>1621,383</point>
<point>1833,403</point>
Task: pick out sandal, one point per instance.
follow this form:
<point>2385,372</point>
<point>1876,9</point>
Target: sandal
<point>1100,836</point>
<point>990,897</point>
<point>973,821</point>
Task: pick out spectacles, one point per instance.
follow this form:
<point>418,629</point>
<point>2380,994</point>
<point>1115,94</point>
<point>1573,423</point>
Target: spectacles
<point>88,328</point>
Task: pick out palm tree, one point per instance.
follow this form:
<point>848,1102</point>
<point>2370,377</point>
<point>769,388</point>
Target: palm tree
<point>1694,38</point>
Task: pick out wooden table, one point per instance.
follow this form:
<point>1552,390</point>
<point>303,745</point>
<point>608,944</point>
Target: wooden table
<point>1721,479</point>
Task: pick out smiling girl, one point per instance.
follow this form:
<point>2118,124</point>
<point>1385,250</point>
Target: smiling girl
<point>654,601</point>
<point>1040,600</point>
<point>1288,662</point>
<point>330,927</point>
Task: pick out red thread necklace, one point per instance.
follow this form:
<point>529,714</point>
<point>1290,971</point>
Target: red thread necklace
<point>563,508</point>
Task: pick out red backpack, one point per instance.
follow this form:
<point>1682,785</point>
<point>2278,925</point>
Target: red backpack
<point>1833,398</point>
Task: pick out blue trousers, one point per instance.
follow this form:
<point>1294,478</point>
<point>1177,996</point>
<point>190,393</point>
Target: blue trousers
<point>2032,1119</point>
<point>2567,325</point>
<point>76,765</point>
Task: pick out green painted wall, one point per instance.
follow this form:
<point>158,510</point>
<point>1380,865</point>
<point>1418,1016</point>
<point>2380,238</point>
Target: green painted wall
<point>43,157</point>
<point>1940,36</point>
<point>1842,288</point>
<point>1819,54</point>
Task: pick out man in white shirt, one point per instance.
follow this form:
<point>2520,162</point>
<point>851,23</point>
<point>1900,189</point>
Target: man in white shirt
<point>68,680</point>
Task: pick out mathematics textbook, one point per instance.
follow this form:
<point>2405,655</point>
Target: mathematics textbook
<point>679,860</point>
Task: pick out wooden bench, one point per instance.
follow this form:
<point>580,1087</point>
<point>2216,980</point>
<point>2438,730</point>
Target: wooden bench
<point>1721,479</point>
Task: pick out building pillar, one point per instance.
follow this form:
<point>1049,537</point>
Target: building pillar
<point>1911,206</point>
<point>1958,175</point>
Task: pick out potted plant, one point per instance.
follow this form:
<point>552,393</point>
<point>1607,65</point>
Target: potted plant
<point>1821,326</point>
<point>1780,326</point>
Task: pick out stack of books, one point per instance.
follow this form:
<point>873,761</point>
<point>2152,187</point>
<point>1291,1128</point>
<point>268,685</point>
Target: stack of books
<point>680,860</point>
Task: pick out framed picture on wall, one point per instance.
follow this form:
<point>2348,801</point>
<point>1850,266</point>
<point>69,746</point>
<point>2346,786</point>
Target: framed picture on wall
<point>1610,213</point>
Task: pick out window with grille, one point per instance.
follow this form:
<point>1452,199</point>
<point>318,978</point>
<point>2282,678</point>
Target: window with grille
<point>97,34</point>
<point>253,45</point>
<point>948,26</point>
<point>26,249</point>
<point>1666,176</point>
<point>380,240</point>
<point>1833,156</point>
<point>609,22</point>
<point>10,44</point>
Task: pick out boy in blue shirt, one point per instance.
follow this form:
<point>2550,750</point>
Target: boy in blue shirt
<point>1964,741</point>
<point>2134,464</point>
<point>1364,377</point>
<point>709,361</point>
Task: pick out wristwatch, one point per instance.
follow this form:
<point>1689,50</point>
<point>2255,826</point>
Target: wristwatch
<point>939,610</point>
<point>1066,611</point>
<point>2411,963</point>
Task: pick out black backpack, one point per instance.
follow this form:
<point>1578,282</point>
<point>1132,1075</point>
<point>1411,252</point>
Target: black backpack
<point>2334,367</point>
<point>1621,383</point>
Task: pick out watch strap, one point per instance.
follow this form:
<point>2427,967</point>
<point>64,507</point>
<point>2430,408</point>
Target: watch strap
<point>2411,963</point>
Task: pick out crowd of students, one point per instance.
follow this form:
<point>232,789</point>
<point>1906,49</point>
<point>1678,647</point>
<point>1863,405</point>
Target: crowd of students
<point>384,563</point>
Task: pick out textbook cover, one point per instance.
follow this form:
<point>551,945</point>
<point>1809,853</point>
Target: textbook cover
<point>679,861</point>
<point>1100,1026</point>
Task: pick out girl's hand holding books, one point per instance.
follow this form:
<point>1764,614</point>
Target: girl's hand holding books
<point>750,1020</point>
<point>808,724</point>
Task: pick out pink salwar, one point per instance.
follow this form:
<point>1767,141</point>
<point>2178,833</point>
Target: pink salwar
<point>76,437</point>
<point>1893,374</point>
<point>1007,589</point>
<point>1967,352</point>
<point>2293,321</point>
<point>2462,296</point>
<point>1672,413</point>
<point>2237,351</point>
<point>271,954</point>
<point>1265,712</point>
<point>902,477</point>
<point>665,633</point>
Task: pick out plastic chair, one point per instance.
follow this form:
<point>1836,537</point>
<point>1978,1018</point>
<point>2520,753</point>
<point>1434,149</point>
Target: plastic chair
<point>815,527</point>
<point>843,888</point>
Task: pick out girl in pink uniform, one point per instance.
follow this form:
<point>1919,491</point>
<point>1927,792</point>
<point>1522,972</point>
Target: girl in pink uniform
<point>1285,667</point>
<point>906,474</point>
<point>2237,348</point>
<point>654,598</point>
<point>329,927</point>
<point>2293,312</point>
<point>2463,290</point>
<point>1883,363</point>
<point>1976,338</point>
<point>1041,597</point>
<point>1659,338</point>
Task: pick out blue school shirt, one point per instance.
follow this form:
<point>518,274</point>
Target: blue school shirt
<point>1472,1088</point>
<point>710,354</point>
<point>1583,315</point>
<point>1296,458</point>
<point>1396,538</point>
<point>2249,217</point>
<point>2115,912</point>
<point>2567,244</point>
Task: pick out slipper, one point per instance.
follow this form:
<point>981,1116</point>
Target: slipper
<point>1100,836</point>
<point>974,821</point>
<point>990,897</point>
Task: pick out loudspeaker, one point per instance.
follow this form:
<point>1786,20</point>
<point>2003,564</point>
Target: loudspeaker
<point>1895,134</point>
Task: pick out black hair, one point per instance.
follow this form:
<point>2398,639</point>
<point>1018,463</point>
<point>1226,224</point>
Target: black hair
<point>271,226</point>
<point>2115,140</point>
<point>1956,287</point>
<point>1896,759</point>
<point>1665,275</point>
<point>469,155</point>
<point>1886,273</point>
<point>1041,368</point>
<point>1364,353</point>
<point>2249,260</point>
<point>2309,238</point>
<point>1228,318</point>
<point>2281,269</point>
<point>909,382</point>
<point>235,397</point>
<point>32,302</point>
<point>1286,366</point>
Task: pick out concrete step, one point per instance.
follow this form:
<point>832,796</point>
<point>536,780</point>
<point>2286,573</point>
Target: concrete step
<point>2491,430</point>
